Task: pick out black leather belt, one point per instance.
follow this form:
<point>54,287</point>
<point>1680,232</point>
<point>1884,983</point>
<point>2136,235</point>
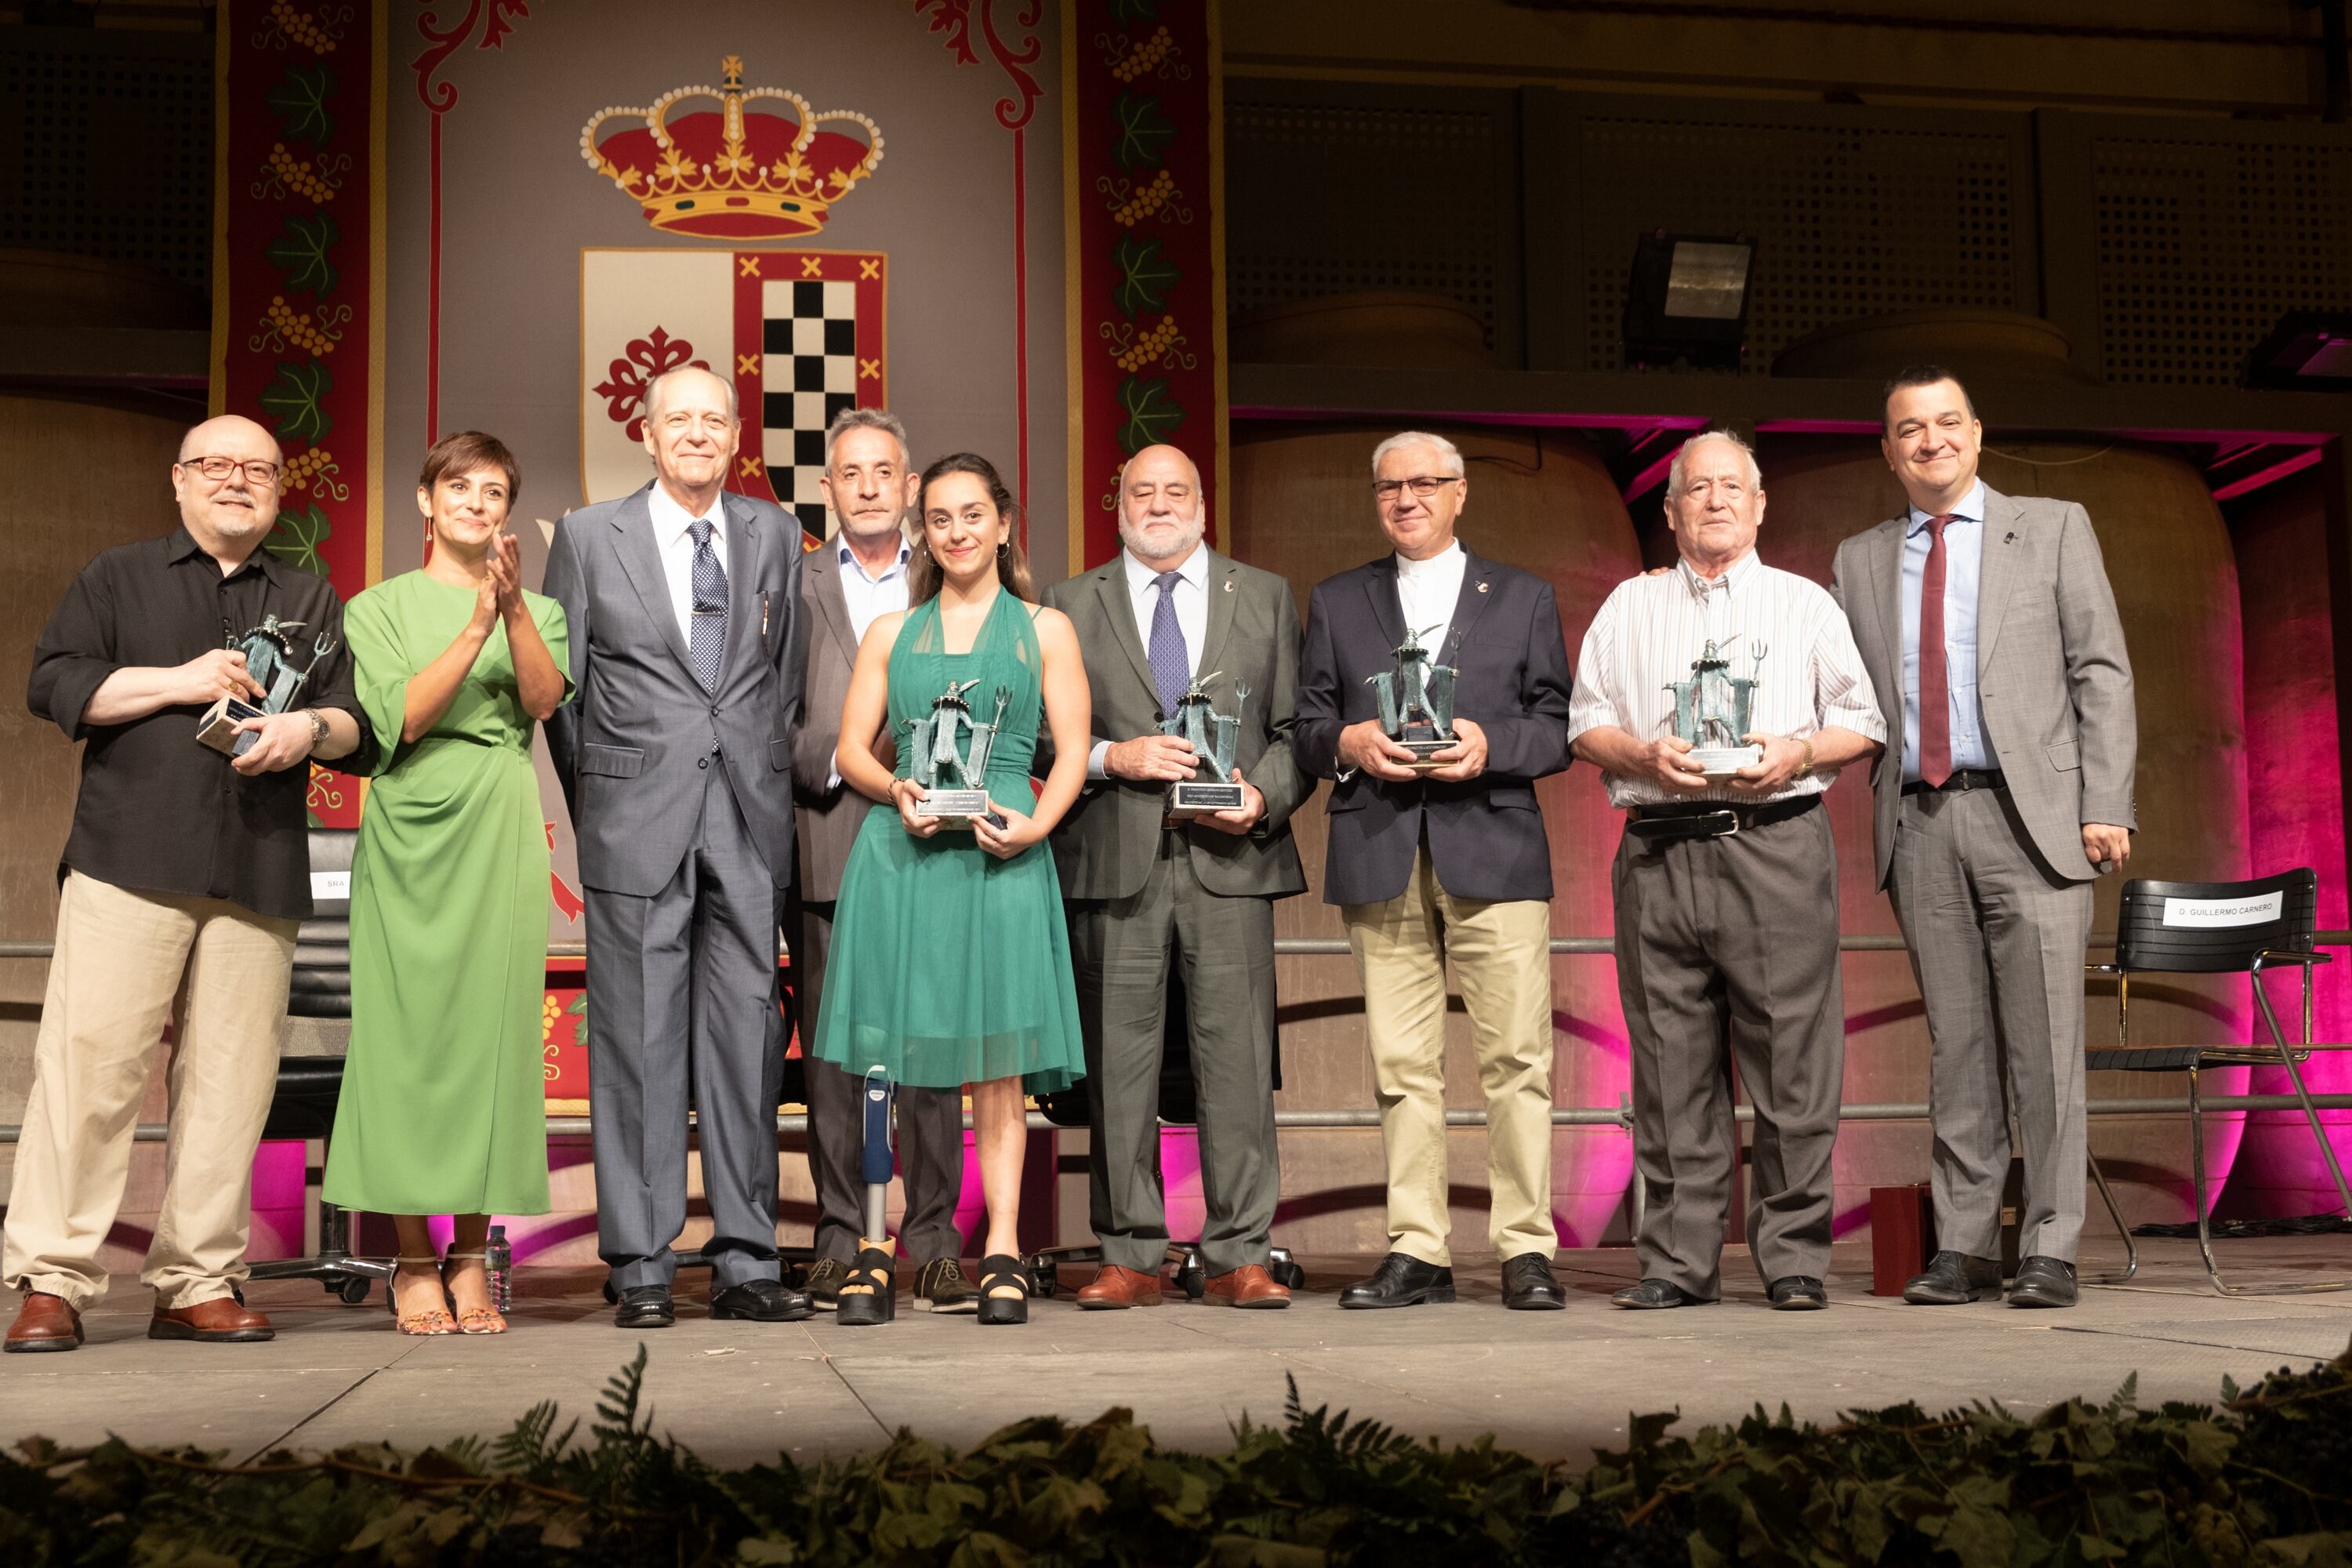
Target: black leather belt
<point>1960,783</point>
<point>1710,819</point>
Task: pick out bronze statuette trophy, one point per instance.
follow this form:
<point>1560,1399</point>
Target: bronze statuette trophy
<point>1213,735</point>
<point>1416,702</point>
<point>1713,709</point>
<point>268,652</point>
<point>948,757</point>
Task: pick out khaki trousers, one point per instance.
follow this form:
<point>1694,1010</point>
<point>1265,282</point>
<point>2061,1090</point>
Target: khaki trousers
<point>1502,956</point>
<point>126,962</point>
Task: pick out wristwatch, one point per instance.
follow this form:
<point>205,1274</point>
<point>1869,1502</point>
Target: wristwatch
<point>1805,768</point>
<point>317,728</point>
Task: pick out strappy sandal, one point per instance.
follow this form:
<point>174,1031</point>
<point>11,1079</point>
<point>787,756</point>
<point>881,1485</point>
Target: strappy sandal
<point>996,1271</point>
<point>430,1323</point>
<point>867,1296</point>
<point>478,1320</point>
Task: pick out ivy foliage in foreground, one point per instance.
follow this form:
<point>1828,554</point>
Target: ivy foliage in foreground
<point>2262,1478</point>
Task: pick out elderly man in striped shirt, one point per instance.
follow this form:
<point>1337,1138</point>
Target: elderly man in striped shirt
<point>1727,884</point>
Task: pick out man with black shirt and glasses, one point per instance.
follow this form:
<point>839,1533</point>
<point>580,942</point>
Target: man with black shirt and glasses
<point>185,876</point>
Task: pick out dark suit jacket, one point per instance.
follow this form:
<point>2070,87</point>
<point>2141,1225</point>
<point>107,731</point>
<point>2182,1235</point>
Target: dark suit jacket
<point>2053,675</point>
<point>1105,847</point>
<point>826,822</point>
<point>631,749</point>
<point>1486,836</point>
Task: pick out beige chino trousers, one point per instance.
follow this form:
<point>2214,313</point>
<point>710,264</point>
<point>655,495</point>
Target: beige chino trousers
<point>127,963</point>
<point>1502,955</point>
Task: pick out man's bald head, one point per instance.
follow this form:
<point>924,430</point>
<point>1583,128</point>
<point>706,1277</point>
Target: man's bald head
<point>1162,516</point>
<point>230,512</point>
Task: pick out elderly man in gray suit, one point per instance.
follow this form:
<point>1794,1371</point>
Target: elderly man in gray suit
<point>1990,634</point>
<point>858,576</point>
<point>1147,890</point>
<point>676,761</point>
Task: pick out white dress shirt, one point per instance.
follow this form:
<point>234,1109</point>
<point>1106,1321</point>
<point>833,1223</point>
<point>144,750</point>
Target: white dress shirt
<point>1652,629</point>
<point>1428,591</point>
<point>867,599</point>
<point>1963,563</point>
<point>1192,596</point>
<point>672,525</point>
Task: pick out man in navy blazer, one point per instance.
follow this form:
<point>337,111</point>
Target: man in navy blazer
<point>1450,863</point>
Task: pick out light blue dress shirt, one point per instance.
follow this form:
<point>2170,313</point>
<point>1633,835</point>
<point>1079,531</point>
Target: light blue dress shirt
<point>1963,556</point>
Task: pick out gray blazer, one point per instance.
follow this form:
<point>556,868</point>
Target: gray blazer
<point>828,819</point>
<point>1105,846</point>
<point>2051,671</point>
<point>630,749</point>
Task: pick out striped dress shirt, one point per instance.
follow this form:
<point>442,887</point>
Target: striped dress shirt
<point>1781,629</point>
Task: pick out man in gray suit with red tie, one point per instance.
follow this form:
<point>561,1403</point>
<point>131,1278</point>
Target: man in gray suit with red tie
<point>858,576</point>
<point>1991,632</point>
<point>676,761</point>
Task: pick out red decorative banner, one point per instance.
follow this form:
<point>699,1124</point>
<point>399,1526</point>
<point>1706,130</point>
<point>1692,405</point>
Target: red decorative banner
<point>292,274</point>
<point>1142,133</point>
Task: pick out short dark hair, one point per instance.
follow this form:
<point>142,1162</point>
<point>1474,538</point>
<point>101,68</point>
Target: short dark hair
<point>1920,376</point>
<point>464,451</point>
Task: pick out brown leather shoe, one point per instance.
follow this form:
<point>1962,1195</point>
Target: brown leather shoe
<point>1248,1285</point>
<point>223,1321</point>
<point>43,1324</point>
<point>1116,1288</point>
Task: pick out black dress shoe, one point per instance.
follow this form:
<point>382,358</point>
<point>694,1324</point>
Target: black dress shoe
<point>1400,1281</point>
<point>645,1306</point>
<point>761,1301</point>
<point>1529,1285</point>
<point>1652,1295</point>
<point>1953,1280</point>
<point>1798,1293</point>
<point>2044,1282</point>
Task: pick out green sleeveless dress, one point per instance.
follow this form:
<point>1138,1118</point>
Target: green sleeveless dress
<point>444,1105</point>
<point>948,965</point>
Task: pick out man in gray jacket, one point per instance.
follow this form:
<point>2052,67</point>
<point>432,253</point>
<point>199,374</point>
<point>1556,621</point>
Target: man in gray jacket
<point>1147,890</point>
<point>1991,637</point>
<point>676,761</point>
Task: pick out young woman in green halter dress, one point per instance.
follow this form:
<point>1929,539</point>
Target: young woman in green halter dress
<point>951,961</point>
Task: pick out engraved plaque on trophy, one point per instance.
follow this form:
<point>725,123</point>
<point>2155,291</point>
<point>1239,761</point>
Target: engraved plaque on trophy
<point>1715,708</point>
<point>1417,699</point>
<point>948,757</point>
<point>1214,736</point>
<point>269,650</point>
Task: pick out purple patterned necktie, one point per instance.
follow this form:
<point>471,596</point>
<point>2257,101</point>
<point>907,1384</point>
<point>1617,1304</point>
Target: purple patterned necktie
<point>1171,666</point>
<point>706,639</point>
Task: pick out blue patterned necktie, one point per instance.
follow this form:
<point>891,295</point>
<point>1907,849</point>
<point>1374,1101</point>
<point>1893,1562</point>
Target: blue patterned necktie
<point>1171,666</point>
<point>707,640</point>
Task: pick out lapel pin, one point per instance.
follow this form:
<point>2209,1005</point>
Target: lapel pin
<point>1229,585</point>
<point>1482,587</point>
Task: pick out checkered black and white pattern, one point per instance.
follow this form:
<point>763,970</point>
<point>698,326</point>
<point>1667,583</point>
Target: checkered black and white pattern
<point>808,373</point>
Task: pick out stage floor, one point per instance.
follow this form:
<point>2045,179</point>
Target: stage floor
<point>1552,1383</point>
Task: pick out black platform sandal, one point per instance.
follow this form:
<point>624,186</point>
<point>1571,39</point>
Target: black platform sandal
<point>997,1271</point>
<point>867,1297</point>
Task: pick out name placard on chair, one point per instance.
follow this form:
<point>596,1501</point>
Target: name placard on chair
<point>330,884</point>
<point>2215,913</point>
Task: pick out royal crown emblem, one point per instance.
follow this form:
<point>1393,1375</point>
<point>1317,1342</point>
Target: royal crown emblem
<point>732,162</point>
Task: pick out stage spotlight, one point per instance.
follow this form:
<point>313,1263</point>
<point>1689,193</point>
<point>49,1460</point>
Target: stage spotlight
<point>1687,302</point>
<point>2308,350</point>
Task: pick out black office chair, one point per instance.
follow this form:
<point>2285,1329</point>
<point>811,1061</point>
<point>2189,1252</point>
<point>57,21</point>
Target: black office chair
<point>2217,928</point>
<point>303,1106</point>
<point>1178,1107</point>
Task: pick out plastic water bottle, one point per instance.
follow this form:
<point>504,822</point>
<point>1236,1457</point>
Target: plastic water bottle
<point>498,1263</point>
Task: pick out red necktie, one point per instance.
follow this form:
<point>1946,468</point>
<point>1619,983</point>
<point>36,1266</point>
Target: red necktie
<point>1935,681</point>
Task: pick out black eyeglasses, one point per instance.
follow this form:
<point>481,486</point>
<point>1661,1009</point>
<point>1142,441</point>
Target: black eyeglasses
<point>1423,485</point>
<point>217,468</point>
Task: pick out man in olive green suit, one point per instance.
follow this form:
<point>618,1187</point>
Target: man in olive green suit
<point>1144,889</point>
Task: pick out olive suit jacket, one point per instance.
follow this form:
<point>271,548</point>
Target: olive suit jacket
<point>1106,844</point>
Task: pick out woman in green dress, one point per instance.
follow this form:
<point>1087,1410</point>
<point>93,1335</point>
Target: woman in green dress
<point>442,1110</point>
<point>950,955</point>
